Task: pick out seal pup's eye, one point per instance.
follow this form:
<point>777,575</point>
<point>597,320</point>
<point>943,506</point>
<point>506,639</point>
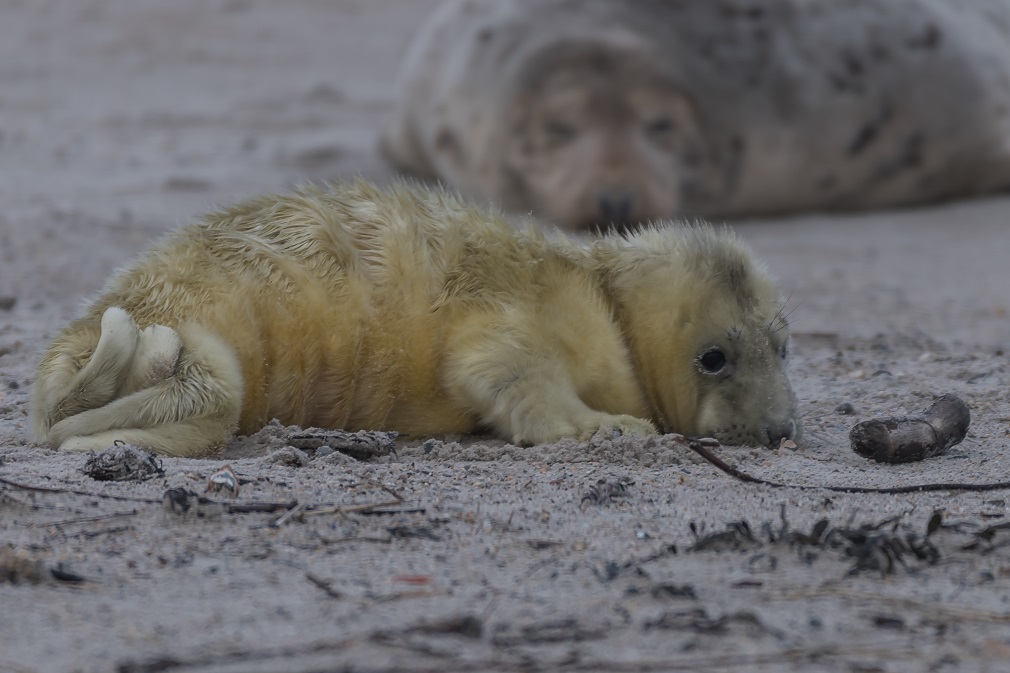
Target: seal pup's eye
<point>784,350</point>
<point>712,361</point>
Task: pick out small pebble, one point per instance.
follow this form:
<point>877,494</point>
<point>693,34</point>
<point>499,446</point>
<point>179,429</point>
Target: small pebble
<point>845,409</point>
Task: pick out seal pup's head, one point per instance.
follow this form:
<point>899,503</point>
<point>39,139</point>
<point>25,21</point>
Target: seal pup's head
<point>598,136</point>
<point>705,326</point>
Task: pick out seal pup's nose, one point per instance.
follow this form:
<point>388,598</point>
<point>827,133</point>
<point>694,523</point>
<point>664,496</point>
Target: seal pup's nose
<point>780,431</point>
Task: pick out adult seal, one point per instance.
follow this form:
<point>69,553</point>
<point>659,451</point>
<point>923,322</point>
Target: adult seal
<point>597,112</point>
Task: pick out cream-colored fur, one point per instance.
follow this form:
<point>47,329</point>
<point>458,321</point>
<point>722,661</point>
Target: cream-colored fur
<point>409,310</point>
<point>589,112</point>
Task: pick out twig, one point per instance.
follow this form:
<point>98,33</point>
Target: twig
<point>390,512</point>
<point>253,507</point>
<point>83,519</point>
<point>89,534</point>
<point>74,491</point>
<point>324,585</point>
<point>231,508</point>
<point>416,593</point>
<point>701,449</point>
<point>342,540</point>
<point>348,509</point>
<point>288,515</point>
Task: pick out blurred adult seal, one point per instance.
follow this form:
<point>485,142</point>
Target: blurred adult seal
<point>599,112</point>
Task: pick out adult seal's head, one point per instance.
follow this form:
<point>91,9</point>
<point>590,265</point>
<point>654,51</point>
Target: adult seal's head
<point>598,135</point>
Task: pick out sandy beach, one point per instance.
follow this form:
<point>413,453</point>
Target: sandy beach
<point>121,119</point>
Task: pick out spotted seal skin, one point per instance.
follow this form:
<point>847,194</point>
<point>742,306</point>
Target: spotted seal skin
<point>594,112</point>
<point>407,309</point>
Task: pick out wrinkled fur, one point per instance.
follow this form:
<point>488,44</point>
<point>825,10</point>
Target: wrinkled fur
<point>409,310</point>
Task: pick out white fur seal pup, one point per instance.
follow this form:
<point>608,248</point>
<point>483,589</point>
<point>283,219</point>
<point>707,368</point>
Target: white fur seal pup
<point>592,112</point>
<point>409,310</point>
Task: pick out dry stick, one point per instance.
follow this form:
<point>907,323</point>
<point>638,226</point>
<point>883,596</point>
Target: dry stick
<point>342,540</point>
<point>288,515</point>
<point>705,453</point>
<point>89,494</point>
<point>231,508</point>
<point>324,585</point>
<point>349,509</point>
<point>83,519</point>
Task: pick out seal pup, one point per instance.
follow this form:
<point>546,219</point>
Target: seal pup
<point>593,112</point>
<point>407,309</point>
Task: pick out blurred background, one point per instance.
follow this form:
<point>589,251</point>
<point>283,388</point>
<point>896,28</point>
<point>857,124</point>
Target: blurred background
<point>120,119</point>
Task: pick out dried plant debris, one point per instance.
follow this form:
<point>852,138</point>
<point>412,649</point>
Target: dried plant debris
<point>697,620</point>
<point>123,462</point>
<point>362,445</point>
<point>737,536</point>
<point>611,570</point>
<point>906,438</point>
<point>186,503</point>
<point>415,531</point>
<point>565,630</point>
<point>17,567</point>
<point>977,537</point>
<point>466,625</point>
<point>603,491</point>
<point>183,502</point>
<point>884,547</point>
<point>665,591</point>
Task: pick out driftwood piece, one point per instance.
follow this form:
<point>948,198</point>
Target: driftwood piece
<point>902,439</point>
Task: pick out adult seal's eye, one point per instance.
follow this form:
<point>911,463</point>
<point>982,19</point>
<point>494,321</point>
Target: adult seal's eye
<point>712,361</point>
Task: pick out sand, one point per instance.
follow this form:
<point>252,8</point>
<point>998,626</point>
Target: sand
<point>121,118</point>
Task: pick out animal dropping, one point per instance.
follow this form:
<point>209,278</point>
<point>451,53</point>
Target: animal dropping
<point>407,310</point>
<point>907,438</point>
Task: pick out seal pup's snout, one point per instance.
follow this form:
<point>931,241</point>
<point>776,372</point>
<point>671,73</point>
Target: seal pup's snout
<point>779,432</point>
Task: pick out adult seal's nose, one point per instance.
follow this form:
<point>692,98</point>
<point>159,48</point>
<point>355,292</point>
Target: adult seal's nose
<point>615,206</point>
